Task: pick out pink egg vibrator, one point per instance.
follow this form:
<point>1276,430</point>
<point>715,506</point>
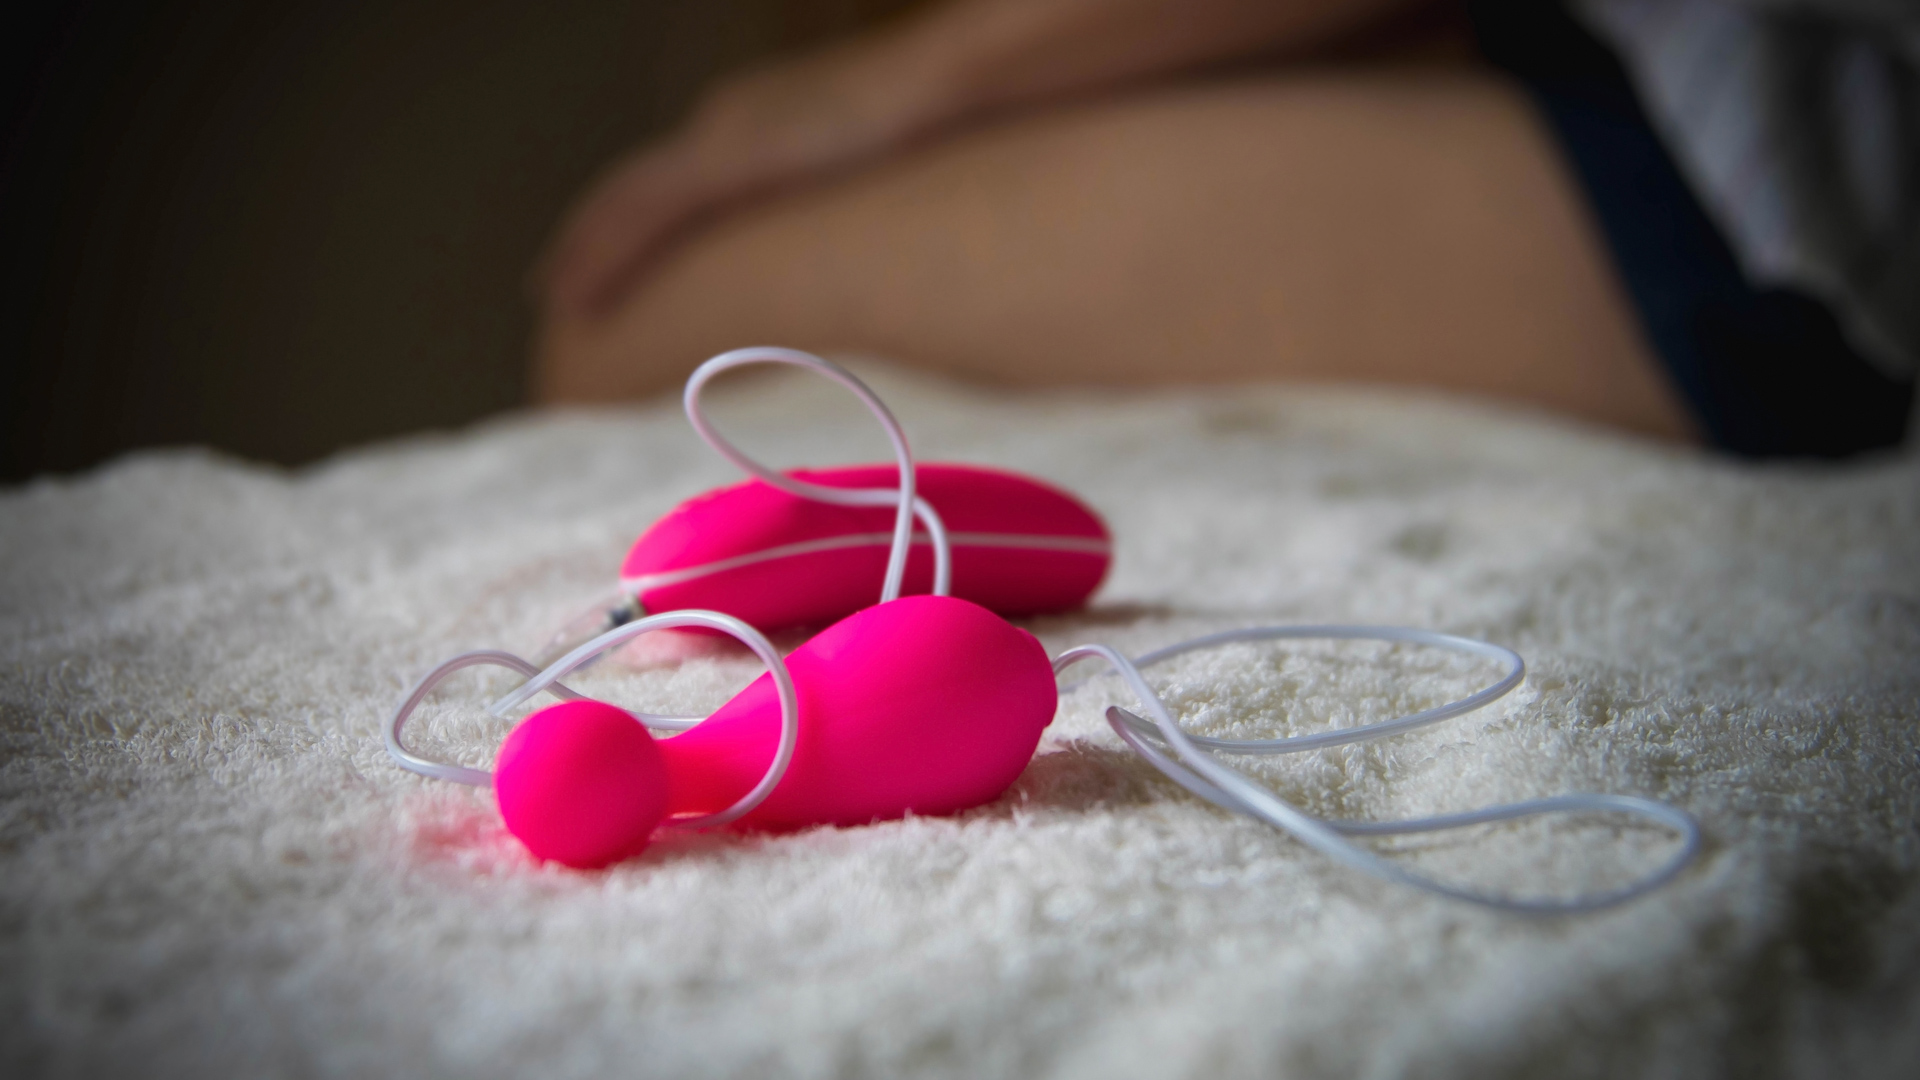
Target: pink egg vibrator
<point>921,704</point>
<point>775,559</point>
<point>804,547</point>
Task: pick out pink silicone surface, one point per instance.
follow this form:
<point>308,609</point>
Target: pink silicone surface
<point>581,783</point>
<point>818,587</point>
<point>927,704</point>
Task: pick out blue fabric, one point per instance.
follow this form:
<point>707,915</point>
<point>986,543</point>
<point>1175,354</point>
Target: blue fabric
<point>1767,371</point>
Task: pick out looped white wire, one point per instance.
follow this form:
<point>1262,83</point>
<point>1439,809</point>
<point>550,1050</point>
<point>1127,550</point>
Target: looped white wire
<point>908,504</point>
<point>459,774</point>
<point>549,681</point>
<point>1203,775</point>
<point>1516,671</point>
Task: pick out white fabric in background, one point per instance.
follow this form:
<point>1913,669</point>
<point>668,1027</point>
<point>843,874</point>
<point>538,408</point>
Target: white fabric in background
<point>208,866</point>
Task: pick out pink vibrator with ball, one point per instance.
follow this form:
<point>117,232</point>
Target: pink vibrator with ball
<point>925,704</point>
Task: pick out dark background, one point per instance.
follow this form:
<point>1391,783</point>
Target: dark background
<point>283,228</point>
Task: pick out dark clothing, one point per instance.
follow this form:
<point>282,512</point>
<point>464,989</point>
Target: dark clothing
<point>1768,372</point>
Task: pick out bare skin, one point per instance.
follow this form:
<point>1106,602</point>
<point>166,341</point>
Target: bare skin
<point>1408,225</point>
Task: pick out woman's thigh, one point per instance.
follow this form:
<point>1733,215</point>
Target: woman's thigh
<point>1401,226</point>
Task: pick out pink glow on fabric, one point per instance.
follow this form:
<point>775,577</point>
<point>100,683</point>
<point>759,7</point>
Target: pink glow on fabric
<point>817,587</point>
<point>581,783</point>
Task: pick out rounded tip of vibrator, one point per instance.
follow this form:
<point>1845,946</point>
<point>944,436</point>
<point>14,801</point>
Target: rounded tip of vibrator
<point>581,783</point>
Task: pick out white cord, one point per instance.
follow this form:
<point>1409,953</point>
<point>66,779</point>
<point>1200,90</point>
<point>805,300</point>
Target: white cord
<point>1206,776</point>
<point>1516,671</point>
<point>549,680</point>
<point>459,774</point>
<point>910,506</point>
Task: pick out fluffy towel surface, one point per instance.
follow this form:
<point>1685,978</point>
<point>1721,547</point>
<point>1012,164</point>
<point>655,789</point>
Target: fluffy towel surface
<point>209,867</point>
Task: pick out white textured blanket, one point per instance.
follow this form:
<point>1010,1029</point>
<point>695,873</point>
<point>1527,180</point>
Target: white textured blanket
<point>209,867</point>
